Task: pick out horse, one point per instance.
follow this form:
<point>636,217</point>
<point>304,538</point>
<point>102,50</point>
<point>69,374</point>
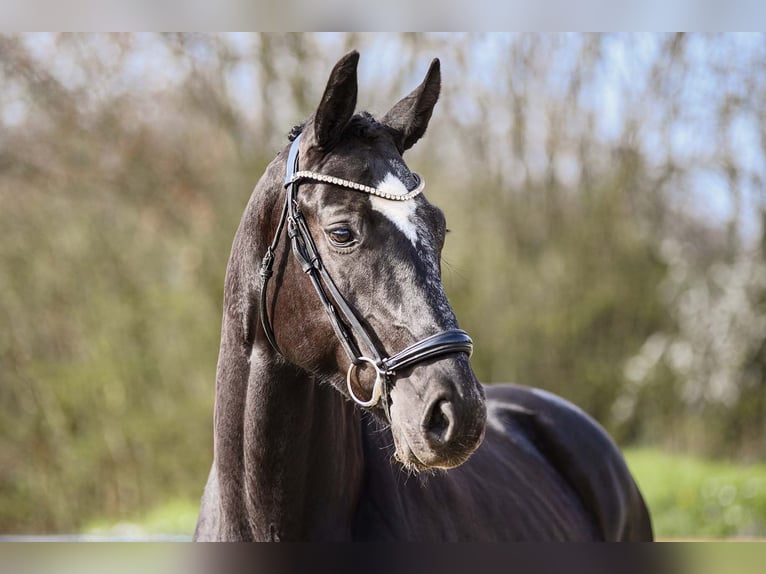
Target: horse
<point>346,408</point>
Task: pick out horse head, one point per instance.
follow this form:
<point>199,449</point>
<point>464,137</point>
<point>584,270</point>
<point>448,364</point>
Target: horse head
<point>365,280</point>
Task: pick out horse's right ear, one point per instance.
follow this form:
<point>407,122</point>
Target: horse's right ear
<point>410,116</point>
<point>337,105</point>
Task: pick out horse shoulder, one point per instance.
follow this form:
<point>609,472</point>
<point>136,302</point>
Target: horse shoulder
<point>584,454</point>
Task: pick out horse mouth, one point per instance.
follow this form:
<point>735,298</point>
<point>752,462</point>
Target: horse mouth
<point>424,458</point>
<point>409,460</point>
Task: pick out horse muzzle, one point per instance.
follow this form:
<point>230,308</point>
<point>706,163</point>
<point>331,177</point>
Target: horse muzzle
<point>444,427</point>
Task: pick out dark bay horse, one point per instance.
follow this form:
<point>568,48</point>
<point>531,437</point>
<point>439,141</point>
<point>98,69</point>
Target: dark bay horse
<point>346,407</point>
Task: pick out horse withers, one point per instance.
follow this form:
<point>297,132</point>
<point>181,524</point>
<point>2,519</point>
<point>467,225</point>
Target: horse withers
<point>346,406</point>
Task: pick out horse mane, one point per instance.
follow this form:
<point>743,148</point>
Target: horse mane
<point>296,131</point>
<point>362,125</point>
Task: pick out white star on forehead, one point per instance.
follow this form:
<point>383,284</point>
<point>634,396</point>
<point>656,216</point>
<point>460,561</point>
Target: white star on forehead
<point>401,213</point>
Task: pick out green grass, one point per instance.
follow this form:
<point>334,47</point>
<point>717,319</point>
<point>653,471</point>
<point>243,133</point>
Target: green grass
<point>174,517</point>
<point>694,498</point>
<point>688,498</point>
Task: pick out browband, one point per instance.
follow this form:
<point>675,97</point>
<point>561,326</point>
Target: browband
<point>320,177</point>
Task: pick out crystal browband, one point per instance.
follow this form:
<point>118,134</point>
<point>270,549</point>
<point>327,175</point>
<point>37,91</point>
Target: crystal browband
<point>320,177</point>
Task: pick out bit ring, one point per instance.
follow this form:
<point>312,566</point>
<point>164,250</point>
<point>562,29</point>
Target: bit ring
<point>377,388</point>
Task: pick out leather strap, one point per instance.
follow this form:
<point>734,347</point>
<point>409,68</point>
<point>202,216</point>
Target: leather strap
<point>444,343</point>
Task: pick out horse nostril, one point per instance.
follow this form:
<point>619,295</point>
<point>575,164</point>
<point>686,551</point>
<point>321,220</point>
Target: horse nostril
<point>440,422</point>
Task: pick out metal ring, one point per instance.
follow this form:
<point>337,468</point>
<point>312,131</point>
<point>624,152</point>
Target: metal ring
<point>377,388</point>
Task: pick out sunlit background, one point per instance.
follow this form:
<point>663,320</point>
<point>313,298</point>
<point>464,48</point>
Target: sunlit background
<point>605,195</point>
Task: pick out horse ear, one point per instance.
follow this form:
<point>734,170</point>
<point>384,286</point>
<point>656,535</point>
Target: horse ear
<point>410,116</point>
<point>337,104</point>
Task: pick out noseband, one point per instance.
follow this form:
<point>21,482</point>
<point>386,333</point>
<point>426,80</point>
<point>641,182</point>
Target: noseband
<point>347,327</point>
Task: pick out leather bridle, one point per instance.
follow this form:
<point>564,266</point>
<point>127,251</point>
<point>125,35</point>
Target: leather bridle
<point>350,332</point>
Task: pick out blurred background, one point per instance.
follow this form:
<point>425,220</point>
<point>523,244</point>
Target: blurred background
<point>605,195</point>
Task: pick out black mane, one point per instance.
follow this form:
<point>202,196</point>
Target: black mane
<point>296,131</point>
<point>362,125</point>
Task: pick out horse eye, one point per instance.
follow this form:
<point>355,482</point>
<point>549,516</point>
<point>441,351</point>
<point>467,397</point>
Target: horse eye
<point>341,236</point>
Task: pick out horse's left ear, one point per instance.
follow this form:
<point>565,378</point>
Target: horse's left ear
<point>410,116</point>
<point>337,104</point>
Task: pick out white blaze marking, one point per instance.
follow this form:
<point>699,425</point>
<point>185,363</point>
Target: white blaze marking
<point>399,212</point>
<point>402,215</point>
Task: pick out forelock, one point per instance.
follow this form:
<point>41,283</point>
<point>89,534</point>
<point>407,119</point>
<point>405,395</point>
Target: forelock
<point>361,125</point>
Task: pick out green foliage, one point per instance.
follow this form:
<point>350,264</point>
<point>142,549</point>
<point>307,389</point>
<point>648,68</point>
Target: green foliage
<point>565,307</point>
<point>113,256</point>
<point>695,498</point>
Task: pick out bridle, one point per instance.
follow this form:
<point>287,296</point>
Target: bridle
<point>348,329</point>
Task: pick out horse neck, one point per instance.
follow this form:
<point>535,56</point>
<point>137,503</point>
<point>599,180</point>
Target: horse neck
<point>288,452</point>
<point>302,456</point>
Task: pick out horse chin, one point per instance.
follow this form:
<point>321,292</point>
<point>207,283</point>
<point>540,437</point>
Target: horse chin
<point>411,462</point>
<point>436,432</point>
<point>424,459</point>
